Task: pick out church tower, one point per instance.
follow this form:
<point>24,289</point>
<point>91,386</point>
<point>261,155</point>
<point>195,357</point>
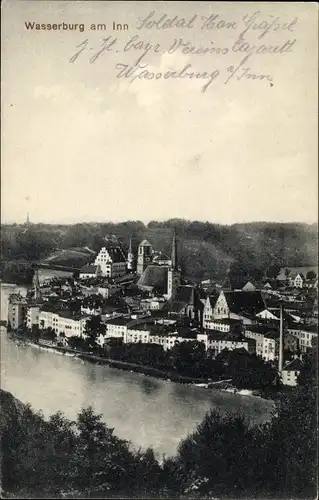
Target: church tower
<point>36,282</point>
<point>130,257</point>
<point>173,274</point>
<point>144,256</point>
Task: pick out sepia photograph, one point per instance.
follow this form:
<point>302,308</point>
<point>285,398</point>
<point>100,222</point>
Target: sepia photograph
<point>159,250</point>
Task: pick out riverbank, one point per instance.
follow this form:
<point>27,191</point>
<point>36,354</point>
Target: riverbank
<point>122,365</point>
<point>223,385</point>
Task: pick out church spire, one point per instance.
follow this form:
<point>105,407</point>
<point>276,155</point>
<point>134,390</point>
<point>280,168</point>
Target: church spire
<point>37,291</point>
<point>174,252</point>
<point>130,257</point>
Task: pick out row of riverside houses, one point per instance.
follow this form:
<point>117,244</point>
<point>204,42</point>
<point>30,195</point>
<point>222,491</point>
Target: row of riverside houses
<point>155,305</point>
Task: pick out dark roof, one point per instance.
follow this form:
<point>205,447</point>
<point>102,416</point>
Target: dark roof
<point>272,335</point>
<point>162,330</point>
<point>177,306</point>
<point>163,312</point>
<point>212,300</point>
<point>201,293</point>
<point>245,302</point>
<point>303,328</point>
<point>125,279</point>
<point>110,308</point>
<point>262,329</point>
<point>160,256</point>
<point>294,365</point>
<point>217,335</point>
<point>116,254</point>
<point>15,298</point>
<point>119,321</point>
<point>65,313</point>
<point>89,269</point>
<point>185,294</point>
<point>186,332</point>
<point>154,276</point>
<point>227,321</point>
<point>51,307</point>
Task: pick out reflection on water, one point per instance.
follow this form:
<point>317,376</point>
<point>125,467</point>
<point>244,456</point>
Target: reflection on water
<point>149,385</point>
<point>144,410</point>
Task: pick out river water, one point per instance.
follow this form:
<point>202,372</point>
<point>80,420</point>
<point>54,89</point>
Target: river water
<point>143,410</point>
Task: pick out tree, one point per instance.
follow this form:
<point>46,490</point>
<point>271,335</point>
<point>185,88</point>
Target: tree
<point>208,458</point>
<point>311,275</point>
<point>188,358</point>
<point>93,328</point>
<point>48,334</point>
<point>102,462</point>
<point>273,271</point>
<point>246,370</point>
<point>77,343</point>
<point>237,274</point>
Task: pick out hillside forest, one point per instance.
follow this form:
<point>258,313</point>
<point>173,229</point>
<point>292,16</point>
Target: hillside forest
<point>206,250</point>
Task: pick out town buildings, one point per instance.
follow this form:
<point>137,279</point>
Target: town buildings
<point>17,307</point>
<point>291,372</point>
<point>156,305</point>
<point>144,256</point>
<point>111,261</point>
<point>216,341</point>
<point>90,271</point>
<point>63,323</point>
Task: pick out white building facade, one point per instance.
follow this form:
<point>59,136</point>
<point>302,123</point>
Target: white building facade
<point>112,262</point>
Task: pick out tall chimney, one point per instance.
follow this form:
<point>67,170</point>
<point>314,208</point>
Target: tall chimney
<point>281,339</point>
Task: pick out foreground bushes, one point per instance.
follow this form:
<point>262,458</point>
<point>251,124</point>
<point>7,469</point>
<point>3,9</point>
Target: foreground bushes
<point>225,456</point>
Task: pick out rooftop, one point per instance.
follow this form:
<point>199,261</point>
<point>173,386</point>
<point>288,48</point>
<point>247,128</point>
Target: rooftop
<point>262,329</point>
<point>121,321</point>
<point>294,365</point>
<point>249,302</point>
<point>89,269</point>
<point>145,243</point>
<point>154,276</point>
<point>218,335</point>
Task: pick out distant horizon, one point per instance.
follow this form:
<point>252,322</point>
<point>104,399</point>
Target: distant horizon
<point>146,222</point>
<point>82,142</point>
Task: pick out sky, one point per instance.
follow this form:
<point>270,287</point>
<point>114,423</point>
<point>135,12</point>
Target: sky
<point>80,144</point>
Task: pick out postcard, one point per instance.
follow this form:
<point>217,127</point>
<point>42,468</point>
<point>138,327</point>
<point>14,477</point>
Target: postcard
<point>159,275</point>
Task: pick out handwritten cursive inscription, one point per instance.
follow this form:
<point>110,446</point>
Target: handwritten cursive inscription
<point>237,57</point>
<point>142,72</point>
<point>163,22</point>
<point>263,26</point>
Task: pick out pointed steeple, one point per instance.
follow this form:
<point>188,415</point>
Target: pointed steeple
<point>37,291</point>
<point>130,257</point>
<point>174,252</point>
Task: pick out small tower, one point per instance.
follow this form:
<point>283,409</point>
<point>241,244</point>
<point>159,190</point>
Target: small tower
<point>28,219</point>
<point>36,282</point>
<point>144,256</point>
<point>130,257</point>
<point>173,274</point>
<point>281,340</point>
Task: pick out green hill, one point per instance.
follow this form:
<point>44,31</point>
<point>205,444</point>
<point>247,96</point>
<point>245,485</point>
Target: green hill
<point>206,250</point>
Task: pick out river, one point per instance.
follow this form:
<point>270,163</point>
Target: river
<point>143,410</point>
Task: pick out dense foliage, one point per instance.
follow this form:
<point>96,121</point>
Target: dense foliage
<point>225,456</point>
<point>188,359</point>
<point>205,249</point>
